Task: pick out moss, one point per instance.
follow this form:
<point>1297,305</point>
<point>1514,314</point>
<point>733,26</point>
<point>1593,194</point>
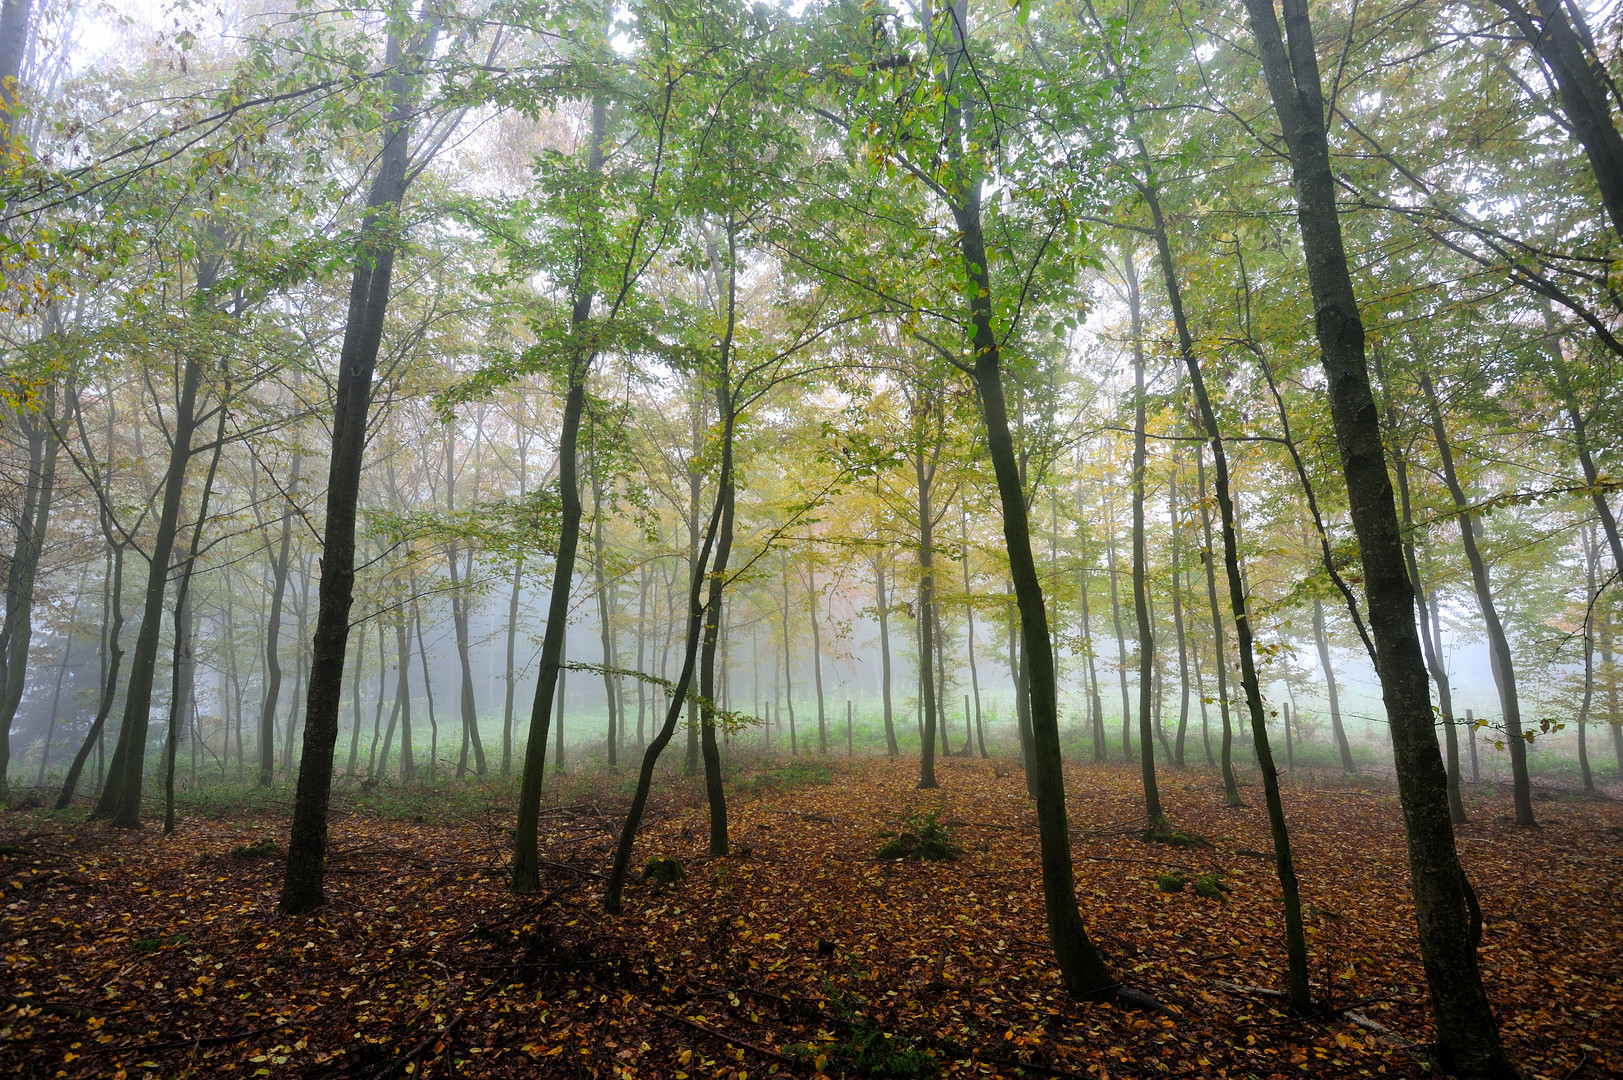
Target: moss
<point>263,848</point>
<point>1173,882</point>
<point>923,836</point>
<point>658,871</point>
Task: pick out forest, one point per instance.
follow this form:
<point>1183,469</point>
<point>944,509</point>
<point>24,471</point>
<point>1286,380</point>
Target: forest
<point>1024,538</point>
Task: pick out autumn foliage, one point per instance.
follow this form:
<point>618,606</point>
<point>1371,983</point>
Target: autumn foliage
<point>127,955</point>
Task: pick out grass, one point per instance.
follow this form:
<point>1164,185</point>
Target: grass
<point>867,1052</point>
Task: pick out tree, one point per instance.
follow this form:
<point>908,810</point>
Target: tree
<point>1467,1033</point>
<point>409,45</point>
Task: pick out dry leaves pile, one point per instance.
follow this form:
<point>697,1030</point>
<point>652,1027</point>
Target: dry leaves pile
<point>133,956</point>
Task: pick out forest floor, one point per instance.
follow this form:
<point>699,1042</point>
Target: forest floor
<point>131,955</point>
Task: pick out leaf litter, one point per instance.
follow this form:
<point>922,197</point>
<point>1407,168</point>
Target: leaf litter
<point>803,953</point>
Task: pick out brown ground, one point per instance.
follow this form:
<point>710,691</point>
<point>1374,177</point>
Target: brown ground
<point>131,955</point>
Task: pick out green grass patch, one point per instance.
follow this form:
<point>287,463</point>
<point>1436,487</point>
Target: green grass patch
<point>868,1052</point>
<point>153,944</point>
<point>263,848</point>
<point>783,778</point>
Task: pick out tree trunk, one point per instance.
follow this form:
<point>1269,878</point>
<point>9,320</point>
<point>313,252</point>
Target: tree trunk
<point>300,666</point>
<point>39,489</point>
<point>817,662</point>
<point>14,40</point>
<point>1082,968</point>
<point>1121,648</point>
<point>355,701</point>
<point>121,796</point>
<point>1096,708</point>
<point>62,675</point>
<point>428,684</point>
<point>715,793</point>
<point>1467,1034</point>
<point>1177,619</point>
<point>302,885</point>
<point>605,626</point>
<point>1504,670</point>
<point>926,623</point>
<point>882,605</point>
<point>470,707</point>
<point>1322,641</point>
<point>273,631</point>
<point>1154,819</point>
<point>969,635</point>
<point>642,657</point>
<point>1231,786</point>
<point>109,686</point>
<point>1299,995</point>
<point>182,692</point>
<point>788,683</point>
<point>1613,719</point>
<point>1560,38</point>
<point>1591,598</point>
<point>697,611</point>
<point>1431,642</point>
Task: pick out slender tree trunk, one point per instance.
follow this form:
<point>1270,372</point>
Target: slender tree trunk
<point>300,666</point>
<point>673,714</point>
<point>1177,618</point>
<point>1591,598</point>
<point>882,605</point>
<point>1082,968</point>
<point>714,619</point>
<point>1468,1036</point>
<point>273,631</point>
<point>469,706</point>
<point>817,663</point>
<point>969,634</point>
<point>1155,820</point>
<point>302,885</point>
<point>1121,649</point>
<point>1504,670</point>
<point>39,489</point>
<point>926,622</point>
<point>182,690</point>
<point>121,796</point>
<point>109,687</point>
<point>1205,717</point>
<point>428,683</point>
<point>1096,708</point>
<point>61,676</point>
<point>355,702</point>
<point>1299,995</point>
<point>14,40</point>
<point>1231,787</point>
<point>1322,640</point>
<point>526,854</point>
<point>605,626</point>
<point>788,683</point>
<point>642,643</point>
<point>1431,642</point>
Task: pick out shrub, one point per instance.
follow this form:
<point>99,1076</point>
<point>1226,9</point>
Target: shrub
<point>924,836</point>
